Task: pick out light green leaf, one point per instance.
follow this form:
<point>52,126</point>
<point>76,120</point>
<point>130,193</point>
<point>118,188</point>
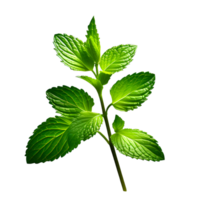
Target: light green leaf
<point>58,136</point>
<point>69,102</point>
<point>93,43</point>
<point>117,58</point>
<point>49,141</point>
<point>132,90</point>
<point>118,123</point>
<point>94,82</point>
<point>84,127</point>
<point>93,50</point>
<point>137,144</point>
<point>72,52</point>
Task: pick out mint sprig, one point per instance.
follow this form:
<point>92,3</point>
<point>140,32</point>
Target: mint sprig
<point>77,122</point>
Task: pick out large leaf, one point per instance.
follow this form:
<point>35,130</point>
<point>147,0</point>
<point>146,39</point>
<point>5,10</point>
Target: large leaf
<point>49,141</point>
<point>117,58</point>
<point>137,144</point>
<point>58,136</point>
<point>69,101</point>
<point>132,90</point>
<point>93,43</point>
<point>72,52</point>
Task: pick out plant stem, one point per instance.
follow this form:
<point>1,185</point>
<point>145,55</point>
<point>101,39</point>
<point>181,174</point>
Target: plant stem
<point>111,145</point>
<point>108,108</point>
<point>94,73</point>
<point>104,137</point>
<point>96,65</point>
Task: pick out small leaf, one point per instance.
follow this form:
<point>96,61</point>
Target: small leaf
<point>93,50</point>
<point>72,52</point>
<point>69,102</point>
<point>95,83</point>
<point>105,78</point>
<point>117,58</point>
<point>118,123</point>
<point>137,144</point>
<point>132,90</point>
<point>93,43</point>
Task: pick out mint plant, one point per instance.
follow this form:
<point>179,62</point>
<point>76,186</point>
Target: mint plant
<point>59,135</point>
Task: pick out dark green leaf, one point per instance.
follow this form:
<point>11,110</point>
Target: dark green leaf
<point>104,78</point>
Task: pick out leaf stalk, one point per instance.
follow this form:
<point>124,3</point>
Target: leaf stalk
<point>104,137</point>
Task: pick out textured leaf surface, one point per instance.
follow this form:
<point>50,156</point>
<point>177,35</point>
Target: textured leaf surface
<point>84,127</point>
<point>132,90</point>
<point>137,144</point>
<point>58,136</point>
<point>93,43</point>
<point>117,58</point>
<point>49,141</point>
<point>118,123</point>
<point>72,52</point>
<point>69,101</point>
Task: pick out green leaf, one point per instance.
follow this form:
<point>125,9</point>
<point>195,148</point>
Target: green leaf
<point>83,128</point>
<point>58,136</point>
<point>49,141</point>
<point>69,102</point>
<point>93,43</point>
<point>137,144</point>
<point>118,123</point>
<point>72,52</point>
<point>93,50</point>
<point>117,58</point>
<point>132,90</point>
<point>94,82</point>
<point>104,78</point>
